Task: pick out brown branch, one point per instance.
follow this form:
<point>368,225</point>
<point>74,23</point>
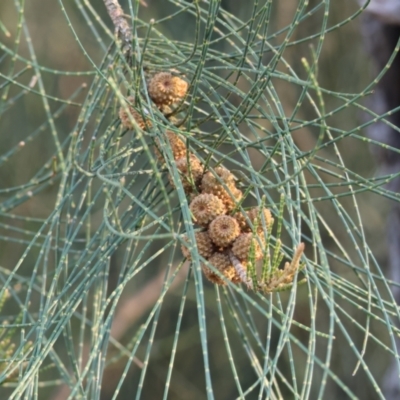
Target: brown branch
<point>122,28</point>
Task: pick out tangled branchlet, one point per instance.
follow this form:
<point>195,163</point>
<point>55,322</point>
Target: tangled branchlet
<point>128,113</point>
<point>223,230</point>
<point>205,208</point>
<point>166,89</point>
<point>204,244</point>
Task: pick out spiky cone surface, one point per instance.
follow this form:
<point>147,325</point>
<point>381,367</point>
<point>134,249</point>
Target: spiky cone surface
<point>205,208</point>
<point>230,200</point>
<point>166,89</point>
<point>204,244</point>
<point>178,147</point>
<point>223,230</point>
<point>196,172</point>
<point>223,264</point>
<point>241,219</point>
<point>221,183</point>
<point>127,113</point>
<point>254,215</point>
<point>212,180</point>
<point>242,245</point>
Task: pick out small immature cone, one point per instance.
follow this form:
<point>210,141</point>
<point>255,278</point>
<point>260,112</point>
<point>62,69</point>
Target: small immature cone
<point>205,246</point>
<point>178,147</point>
<point>128,113</point>
<point>223,230</point>
<point>166,89</point>
<point>206,207</point>
<point>242,245</point>
<point>223,264</point>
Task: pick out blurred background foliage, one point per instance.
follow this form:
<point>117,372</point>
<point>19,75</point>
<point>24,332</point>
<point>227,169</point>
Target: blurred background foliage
<point>28,122</point>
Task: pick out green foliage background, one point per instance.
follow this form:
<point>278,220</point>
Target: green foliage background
<point>90,225</point>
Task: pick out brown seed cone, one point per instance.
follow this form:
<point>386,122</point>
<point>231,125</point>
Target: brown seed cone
<point>166,89</point>
<point>206,207</point>
<point>229,201</point>
<point>178,147</point>
<point>167,110</point>
<point>126,115</point>
<point>223,264</point>
<point>241,219</point>
<point>253,215</point>
<point>242,245</point>
<point>210,184</point>
<point>223,230</point>
<point>181,87</point>
<point>210,181</point>
<point>205,246</point>
<point>196,172</point>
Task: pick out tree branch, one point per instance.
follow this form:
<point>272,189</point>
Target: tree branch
<point>122,28</point>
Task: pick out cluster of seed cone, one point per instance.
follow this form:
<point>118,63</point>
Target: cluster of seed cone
<point>214,198</point>
<point>227,237</point>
